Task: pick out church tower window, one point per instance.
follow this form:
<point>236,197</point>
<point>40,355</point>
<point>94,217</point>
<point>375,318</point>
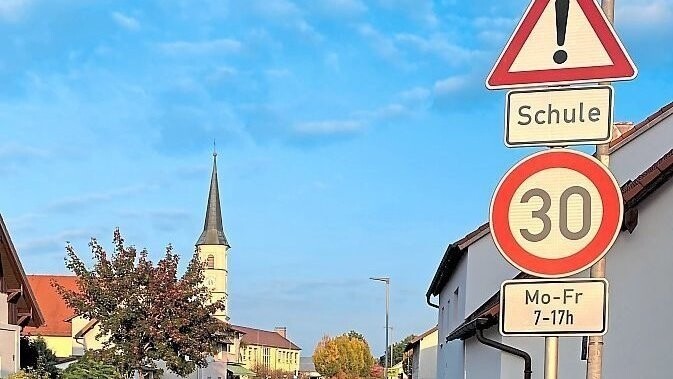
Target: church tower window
<point>210,262</point>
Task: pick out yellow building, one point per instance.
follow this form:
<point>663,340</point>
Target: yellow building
<point>268,349</point>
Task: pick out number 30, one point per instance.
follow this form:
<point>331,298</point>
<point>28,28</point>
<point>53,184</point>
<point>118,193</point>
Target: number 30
<point>541,214</point>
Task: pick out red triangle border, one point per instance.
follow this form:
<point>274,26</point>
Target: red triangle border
<point>621,69</point>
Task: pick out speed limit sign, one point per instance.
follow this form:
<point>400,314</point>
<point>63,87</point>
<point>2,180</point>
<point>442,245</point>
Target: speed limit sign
<point>555,213</point>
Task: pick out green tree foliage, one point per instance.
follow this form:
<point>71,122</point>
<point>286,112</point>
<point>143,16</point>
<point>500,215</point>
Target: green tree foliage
<point>398,351</point>
<point>88,368</point>
<point>146,312</point>
<point>37,359</point>
<point>345,357</point>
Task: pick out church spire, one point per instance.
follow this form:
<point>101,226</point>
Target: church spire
<point>213,232</point>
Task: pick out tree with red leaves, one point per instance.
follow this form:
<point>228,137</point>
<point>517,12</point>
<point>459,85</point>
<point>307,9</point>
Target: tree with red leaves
<point>146,313</point>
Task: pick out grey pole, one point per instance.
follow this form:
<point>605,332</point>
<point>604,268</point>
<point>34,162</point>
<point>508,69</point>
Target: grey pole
<point>551,358</point>
<point>595,344</point>
<point>388,356</point>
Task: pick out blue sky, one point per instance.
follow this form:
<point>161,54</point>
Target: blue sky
<point>355,138</point>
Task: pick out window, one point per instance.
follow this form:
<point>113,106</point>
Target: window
<point>210,262</point>
<point>266,356</point>
<point>456,308</point>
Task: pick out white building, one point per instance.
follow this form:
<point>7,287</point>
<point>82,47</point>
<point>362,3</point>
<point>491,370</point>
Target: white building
<point>422,352</point>
<point>639,268</point>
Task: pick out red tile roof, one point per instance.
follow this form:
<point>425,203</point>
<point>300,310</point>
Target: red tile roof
<point>53,306</point>
<point>260,337</point>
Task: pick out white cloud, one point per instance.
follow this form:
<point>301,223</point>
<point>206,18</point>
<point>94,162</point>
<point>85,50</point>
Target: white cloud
<point>77,202</point>
<point>331,61</point>
<point>17,151</point>
<point>222,45</point>
<point>329,127</point>
<point>494,22</point>
<point>647,14</point>
<point>344,7</point>
<point>276,9</point>
<point>126,22</point>
<point>416,94</point>
<point>382,44</point>
<point>438,45</point>
<point>55,242</point>
<point>13,10</point>
<point>421,10</point>
<point>451,85</point>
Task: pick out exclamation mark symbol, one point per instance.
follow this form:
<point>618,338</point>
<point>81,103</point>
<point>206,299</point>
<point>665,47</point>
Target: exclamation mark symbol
<point>560,56</point>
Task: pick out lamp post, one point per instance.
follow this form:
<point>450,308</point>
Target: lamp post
<point>388,357</point>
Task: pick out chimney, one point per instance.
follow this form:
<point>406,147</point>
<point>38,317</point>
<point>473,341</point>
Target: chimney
<point>621,127</point>
<point>282,330</point>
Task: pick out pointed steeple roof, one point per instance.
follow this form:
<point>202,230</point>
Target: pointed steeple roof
<point>213,232</point>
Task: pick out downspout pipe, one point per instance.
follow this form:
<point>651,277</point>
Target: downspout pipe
<point>427,300</point>
<point>480,323</point>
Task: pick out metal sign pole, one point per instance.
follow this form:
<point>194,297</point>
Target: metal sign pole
<point>595,344</point>
<point>550,357</point>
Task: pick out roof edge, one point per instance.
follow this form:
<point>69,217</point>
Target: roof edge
<point>640,128</point>
<point>14,259</point>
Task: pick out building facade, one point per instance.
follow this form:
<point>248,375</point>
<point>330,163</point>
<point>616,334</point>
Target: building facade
<point>18,306</point>
<point>421,353</point>
<point>465,286</point>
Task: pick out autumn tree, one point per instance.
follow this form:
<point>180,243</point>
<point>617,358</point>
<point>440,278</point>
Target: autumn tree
<point>345,356</point>
<point>146,312</point>
<point>397,351</point>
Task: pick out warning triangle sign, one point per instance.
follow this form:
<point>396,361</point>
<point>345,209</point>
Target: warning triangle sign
<point>561,42</point>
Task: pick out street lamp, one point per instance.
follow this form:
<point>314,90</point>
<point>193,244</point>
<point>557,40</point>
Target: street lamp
<point>389,357</point>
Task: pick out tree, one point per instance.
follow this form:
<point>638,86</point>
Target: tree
<point>398,351</point>
<point>145,312</point>
<point>37,359</point>
<point>354,334</point>
<point>343,357</point>
<point>88,367</point>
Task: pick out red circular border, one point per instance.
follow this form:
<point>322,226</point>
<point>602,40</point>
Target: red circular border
<point>607,232</point>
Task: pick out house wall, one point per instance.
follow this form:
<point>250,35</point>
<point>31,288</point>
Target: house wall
<point>486,270</point>
<point>4,309</point>
<point>427,360</point>
<point>9,349</point>
<point>639,270</point>
<point>89,341</point>
<point>278,359</point>
<point>450,357</point>
<point>632,159</point>
<point>481,361</point>
<point>60,345</point>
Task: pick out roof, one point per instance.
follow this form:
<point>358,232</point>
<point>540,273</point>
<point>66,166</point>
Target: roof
<point>213,231</point>
<point>634,192</point>
<point>418,339</point>
<point>453,254</point>
<point>15,280</point>
<point>306,364</point>
<point>56,312</point>
<point>252,336</point>
<point>643,126</point>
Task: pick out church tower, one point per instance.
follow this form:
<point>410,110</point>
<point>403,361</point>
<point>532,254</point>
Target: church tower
<point>213,247</point>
